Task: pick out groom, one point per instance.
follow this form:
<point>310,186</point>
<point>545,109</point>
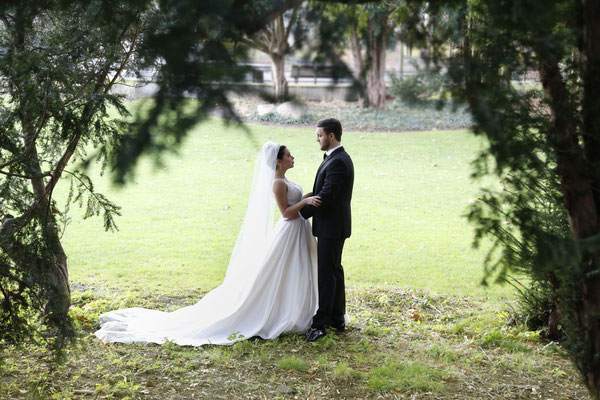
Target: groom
<point>331,226</point>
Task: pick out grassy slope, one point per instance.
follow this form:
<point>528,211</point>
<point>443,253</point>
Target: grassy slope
<point>180,220</point>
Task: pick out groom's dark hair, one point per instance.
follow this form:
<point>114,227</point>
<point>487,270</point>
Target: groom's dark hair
<point>331,125</point>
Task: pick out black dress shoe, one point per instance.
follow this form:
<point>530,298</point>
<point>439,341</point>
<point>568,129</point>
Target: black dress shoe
<point>308,333</point>
<point>339,328</point>
<point>313,334</point>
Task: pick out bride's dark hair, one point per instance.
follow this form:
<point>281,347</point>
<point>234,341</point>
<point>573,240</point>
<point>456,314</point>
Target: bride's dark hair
<point>280,152</point>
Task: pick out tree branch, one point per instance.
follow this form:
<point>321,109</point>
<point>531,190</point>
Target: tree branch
<point>293,19</point>
<point>31,141</point>
<point>25,176</point>
<point>100,201</point>
<point>86,116</point>
<point>255,44</point>
<point>127,56</point>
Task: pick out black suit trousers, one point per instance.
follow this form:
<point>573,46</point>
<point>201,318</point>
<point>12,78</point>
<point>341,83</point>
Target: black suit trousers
<point>332,294</point>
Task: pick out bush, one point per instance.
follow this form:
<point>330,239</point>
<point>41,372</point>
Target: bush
<point>395,118</point>
<point>274,117</point>
<point>419,90</point>
<point>535,303</point>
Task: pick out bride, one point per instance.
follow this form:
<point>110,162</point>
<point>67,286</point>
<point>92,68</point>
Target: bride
<point>270,286</point>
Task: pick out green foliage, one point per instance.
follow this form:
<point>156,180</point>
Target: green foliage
<point>59,63</point>
<point>236,335</point>
<point>422,89</point>
<point>507,340</point>
<point>192,46</point>
<point>87,307</point>
<point>531,234</point>
<point>367,30</point>
<point>60,57</point>
<point>344,372</point>
<point>535,303</point>
<point>443,353</point>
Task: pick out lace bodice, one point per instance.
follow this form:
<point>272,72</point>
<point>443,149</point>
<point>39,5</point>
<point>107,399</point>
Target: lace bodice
<point>294,193</point>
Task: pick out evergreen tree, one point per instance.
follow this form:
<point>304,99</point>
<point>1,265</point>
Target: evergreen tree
<point>543,144</point>
<point>57,68</point>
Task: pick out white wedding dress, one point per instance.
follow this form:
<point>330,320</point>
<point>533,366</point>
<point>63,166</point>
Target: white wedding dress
<point>269,289</point>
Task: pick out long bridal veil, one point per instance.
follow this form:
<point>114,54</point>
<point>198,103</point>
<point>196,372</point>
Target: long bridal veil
<point>254,236</point>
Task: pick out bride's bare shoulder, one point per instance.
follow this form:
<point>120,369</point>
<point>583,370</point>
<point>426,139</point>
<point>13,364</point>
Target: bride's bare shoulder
<point>279,184</point>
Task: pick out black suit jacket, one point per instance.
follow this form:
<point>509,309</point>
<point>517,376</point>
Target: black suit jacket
<point>333,183</point>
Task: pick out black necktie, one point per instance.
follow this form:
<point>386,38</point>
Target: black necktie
<point>324,156</point>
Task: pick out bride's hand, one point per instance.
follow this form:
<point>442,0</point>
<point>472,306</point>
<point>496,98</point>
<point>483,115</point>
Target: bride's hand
<point>314,201</point>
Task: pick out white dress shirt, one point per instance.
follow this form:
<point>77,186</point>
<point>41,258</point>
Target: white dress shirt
<point>328,152</point>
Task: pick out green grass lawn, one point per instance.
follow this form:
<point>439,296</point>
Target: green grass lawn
<point>180,220</point>
<point>421,326</point>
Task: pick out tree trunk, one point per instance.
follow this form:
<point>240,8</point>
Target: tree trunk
<point>59,300</point>
<point>54,261</point>
<point>359,65</point>
<point>590,55</point>
<point>377,39</point>
<point>279,81</point>
<point>55,265</point>
<point>401,61</point>
<point>577,185</point>
<point>278,49</point>
<point>588,208</point>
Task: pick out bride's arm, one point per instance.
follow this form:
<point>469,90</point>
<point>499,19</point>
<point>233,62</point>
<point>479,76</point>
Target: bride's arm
<point>307,195</point>
<point>280,191</point>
